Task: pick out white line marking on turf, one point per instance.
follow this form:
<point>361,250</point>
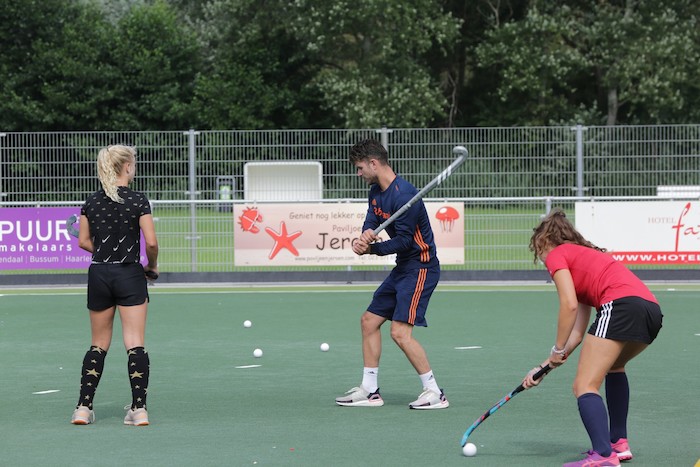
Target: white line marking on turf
<point>248,366</point>
<point>49,391</point>
<point>697,334</point>
<point>469,347</point>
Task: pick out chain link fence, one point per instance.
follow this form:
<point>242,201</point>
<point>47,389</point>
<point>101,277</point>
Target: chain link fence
<point>512,178</point>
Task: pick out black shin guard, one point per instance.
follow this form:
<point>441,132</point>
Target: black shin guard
<point>93,364</point>
<point>139,369</point>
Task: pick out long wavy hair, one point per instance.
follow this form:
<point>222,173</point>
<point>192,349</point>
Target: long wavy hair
<point>554,230</point>
<point>110,162</point>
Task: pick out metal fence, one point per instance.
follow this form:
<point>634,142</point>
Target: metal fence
<point>513,176</point>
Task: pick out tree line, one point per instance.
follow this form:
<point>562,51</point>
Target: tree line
<point>72,65</point>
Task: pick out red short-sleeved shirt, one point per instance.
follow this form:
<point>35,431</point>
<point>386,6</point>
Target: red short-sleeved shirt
<point>598,277</point>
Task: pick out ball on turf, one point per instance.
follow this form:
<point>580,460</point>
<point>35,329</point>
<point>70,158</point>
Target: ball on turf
<point>257,353</point>
<point>247,324</point>
<point>325,347</point>
<point>469,450</point>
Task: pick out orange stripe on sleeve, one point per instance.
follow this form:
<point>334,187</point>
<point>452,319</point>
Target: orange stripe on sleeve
<point>424,248</point>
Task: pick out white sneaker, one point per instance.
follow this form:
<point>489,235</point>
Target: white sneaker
<point>83,416</point>
<point>430,399</point>
<point>360,397</point>
<point>138,417</point>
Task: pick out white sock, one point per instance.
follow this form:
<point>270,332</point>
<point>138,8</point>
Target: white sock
<point>369,379</point>
<point>428,381</point>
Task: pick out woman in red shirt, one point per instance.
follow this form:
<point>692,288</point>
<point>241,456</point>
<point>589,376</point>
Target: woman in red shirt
<point>628,319</point>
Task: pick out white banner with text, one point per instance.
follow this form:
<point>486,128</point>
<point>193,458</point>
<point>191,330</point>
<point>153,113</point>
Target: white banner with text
<point>313,234</point>
<point>643,232</point>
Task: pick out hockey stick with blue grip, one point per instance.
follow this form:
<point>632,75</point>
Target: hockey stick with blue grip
<point>543,371</point>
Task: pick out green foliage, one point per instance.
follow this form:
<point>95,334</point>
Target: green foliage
<point>73,74</point>
<point>255,75</point>
<point>373,56</point>
<point>597,61</point>
<point>279,64</point>
<point>157,61</point>
<point>34,42</point>
<point>68,67</point>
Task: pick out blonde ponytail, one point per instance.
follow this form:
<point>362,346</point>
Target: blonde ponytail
<point>110,162</point>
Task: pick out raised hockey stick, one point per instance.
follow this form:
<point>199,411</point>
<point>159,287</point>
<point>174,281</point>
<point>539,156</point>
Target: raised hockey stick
<point>462,155</point>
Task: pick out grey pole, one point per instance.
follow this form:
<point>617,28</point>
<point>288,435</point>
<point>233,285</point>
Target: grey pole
<point>193,197</point>
<point>384,136</point>
<point>579,159</point>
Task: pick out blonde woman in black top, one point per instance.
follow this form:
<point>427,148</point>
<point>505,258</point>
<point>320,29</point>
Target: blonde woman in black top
<point>111,222</point>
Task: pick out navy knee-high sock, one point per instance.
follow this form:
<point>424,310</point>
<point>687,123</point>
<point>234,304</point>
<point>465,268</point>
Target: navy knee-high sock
<point>617,395</point>
<point>93,364</point>
<point>139,372</point>
<point>595,419</point>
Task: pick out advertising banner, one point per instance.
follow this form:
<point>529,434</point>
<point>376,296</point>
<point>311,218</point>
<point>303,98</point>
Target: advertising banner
<point>36,238</point>
<point>313,234</point>
<point>643,232</point>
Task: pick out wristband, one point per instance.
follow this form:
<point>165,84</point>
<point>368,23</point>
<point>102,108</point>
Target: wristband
<point>560,352</point>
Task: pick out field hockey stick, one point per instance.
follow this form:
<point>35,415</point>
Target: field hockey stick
<point>69,225</point>
<point>462,154</point>
<point>152,275</point>
<point>543,371</point>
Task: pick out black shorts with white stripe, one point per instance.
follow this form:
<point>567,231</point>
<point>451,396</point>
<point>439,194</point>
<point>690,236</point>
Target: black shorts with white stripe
<point>628,319</point>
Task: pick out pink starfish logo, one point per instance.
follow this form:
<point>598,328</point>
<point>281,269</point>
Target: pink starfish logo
<point>283,240</point>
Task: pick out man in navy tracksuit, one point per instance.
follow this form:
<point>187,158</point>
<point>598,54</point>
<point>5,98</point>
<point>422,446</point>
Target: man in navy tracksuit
<point>404,295</point>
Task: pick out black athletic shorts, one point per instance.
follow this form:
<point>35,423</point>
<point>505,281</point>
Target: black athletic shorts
<point>116,284</point>
<point>628,319</point>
